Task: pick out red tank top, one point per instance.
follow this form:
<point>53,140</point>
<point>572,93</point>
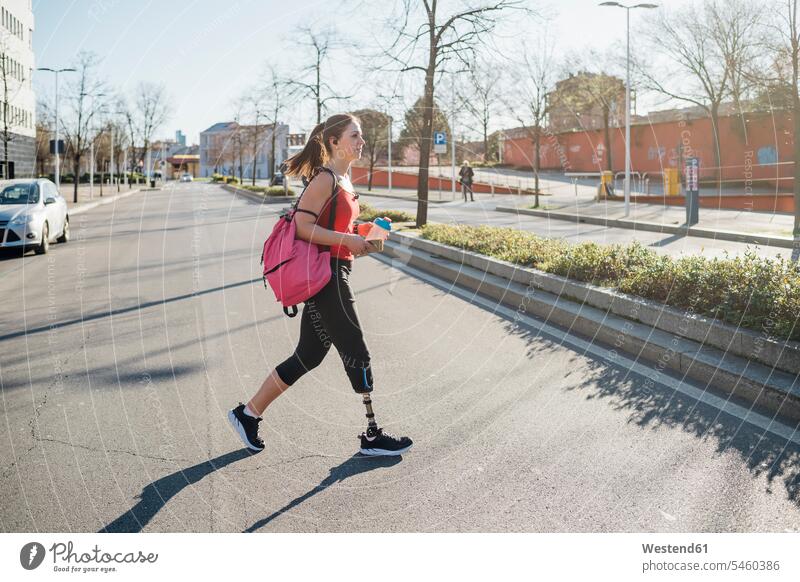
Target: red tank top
<point>347,211</point>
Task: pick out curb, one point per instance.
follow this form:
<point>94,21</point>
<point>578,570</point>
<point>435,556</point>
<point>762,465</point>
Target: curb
<point>730,235</point>
<point>664,336</point>
<point>105,200</point>
<point>257,197</point>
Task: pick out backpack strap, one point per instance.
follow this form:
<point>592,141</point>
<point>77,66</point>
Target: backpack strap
<point>333,198</point>
<point>295,209</point>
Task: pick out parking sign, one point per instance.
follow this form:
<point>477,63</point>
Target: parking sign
<point>439,142</point>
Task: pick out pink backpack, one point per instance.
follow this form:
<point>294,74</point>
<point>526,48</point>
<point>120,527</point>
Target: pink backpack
<point>296,269</point>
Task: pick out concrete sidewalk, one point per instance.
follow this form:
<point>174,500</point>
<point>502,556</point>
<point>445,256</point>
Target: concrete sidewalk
<point>87,201</point>
<point>749,222</point>
<point>776,224</point>
<point>554,183</point>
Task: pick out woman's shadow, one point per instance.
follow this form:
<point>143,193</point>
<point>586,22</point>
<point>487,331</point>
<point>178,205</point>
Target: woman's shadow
<point>356,464</point>
<point>156,495</point>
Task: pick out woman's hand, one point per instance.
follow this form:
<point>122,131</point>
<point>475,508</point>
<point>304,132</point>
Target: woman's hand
<point>357,244</point>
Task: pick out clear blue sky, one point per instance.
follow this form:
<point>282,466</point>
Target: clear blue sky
<point>207,52</point>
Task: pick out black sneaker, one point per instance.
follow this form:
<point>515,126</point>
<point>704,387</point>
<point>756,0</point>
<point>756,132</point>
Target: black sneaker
<point>247,428</point>
<point>384,443</point>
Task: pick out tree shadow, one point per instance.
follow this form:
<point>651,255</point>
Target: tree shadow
<point>123,310</point>
<point>355,465</point>
<point>156,495</point>
<point>653,405</point>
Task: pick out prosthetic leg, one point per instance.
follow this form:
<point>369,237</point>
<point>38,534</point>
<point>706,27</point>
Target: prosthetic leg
<point>372,426</point>
<point>375,441</point>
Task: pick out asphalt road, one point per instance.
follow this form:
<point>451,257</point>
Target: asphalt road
<point>121,351</point>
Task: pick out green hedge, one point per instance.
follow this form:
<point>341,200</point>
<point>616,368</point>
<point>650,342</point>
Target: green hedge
<point>368,213</point>
<point>761,294</point>
<point>268,190</point>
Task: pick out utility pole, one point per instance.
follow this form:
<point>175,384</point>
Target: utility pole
<point>628,98</point>
<point>91,170</point>
<point>111,164</point>
<point>57,168</point>
<point>390,150</point>
<point>453,142</point>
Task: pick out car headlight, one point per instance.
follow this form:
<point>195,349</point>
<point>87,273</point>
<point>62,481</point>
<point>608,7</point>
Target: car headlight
<point>20,220</point>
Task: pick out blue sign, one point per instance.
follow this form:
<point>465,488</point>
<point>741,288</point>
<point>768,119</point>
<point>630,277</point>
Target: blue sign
<point>439,138</point>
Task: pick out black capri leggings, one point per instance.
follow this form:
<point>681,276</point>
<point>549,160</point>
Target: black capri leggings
<point>329,317</point>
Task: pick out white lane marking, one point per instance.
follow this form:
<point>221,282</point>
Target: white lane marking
<point>751,417</point>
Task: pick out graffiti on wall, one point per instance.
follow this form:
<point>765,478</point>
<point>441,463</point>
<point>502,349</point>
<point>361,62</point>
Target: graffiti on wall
<point>767,155</point>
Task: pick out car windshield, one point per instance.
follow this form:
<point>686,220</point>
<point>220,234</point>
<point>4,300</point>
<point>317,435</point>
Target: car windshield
<point>20,194</point>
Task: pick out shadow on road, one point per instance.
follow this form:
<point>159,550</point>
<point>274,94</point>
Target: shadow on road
<point>9,253</point>
<point>655,406</point>
<point>353,466</point>
<point>123,310</point>
<point>156,495</point>
<point>668,240</point>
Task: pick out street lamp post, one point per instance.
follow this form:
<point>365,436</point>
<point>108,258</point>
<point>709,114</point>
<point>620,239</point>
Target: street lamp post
<point>628,97</point>
<point>56,71</point>
<point>389,148</point>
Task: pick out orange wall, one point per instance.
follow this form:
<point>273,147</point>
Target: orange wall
<point>750,144</point>
<point>360,176</point>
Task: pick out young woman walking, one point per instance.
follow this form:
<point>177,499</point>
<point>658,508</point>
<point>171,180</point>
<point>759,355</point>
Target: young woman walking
<point>329,317</point>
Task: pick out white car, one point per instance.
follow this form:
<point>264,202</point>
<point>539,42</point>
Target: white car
<point>186,177</point>
<point>32,215</point>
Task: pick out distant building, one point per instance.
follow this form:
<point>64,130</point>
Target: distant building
<point>757,146</point>
<point>578,102</point>
<point>226,146</point>
<point>185,160</point>
<point>180,138</point>
<point>16,73</point>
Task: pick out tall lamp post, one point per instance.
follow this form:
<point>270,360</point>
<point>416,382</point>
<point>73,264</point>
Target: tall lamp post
<point>628,98</point>
<point>56,71</point>
<point>387,101</point>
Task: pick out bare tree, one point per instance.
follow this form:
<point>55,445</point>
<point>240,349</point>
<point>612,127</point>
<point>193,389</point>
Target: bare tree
<point>131,132</point>
<point>255,108</point>
<point>236,148</point>
<point>530,103</point>
<point>263,105</point>
<point>275,87</point>
<point>117,127</point>
<point>374,129</point>
<point>783,77</point>
<point>706,48</point>
<point>479,96</point>
<point>44,133</point>
<point>427,40</point>
<point>321,42</point>
<point>584,93</point>
<point>152,109</point>
<point>86,102</point>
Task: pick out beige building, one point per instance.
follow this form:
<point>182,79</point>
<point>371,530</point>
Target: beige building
<point>17,116</point>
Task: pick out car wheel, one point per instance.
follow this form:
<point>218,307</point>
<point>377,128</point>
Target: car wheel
<point>65,233</point>
<point>44,246</point>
